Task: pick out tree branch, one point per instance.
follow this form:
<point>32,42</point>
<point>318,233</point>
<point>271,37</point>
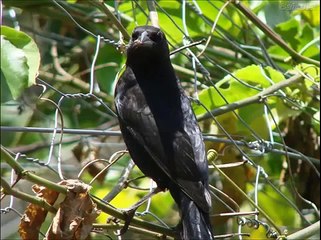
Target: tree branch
<point>254,99</point>
<point>270,33</point>
<point>8,190</point>
<point>24,174</point>
<point>306,232</point>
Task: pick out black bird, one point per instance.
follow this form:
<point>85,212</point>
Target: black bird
<point>160,129</point>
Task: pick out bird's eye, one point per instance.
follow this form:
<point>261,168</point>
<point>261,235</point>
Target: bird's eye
<point>155,36</point>
<point>135,35</point>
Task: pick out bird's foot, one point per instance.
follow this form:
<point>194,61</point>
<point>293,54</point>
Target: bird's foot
<point>129,215</point>
<point>113,219</point>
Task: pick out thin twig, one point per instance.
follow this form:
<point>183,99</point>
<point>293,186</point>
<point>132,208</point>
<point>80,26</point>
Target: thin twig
<point>104,8</point>
<point>24,174</point>
<point>74,82</point>
<point>213,27</point>
<point>119,226</point>
<point>122,181</point>
<point>187,46</point>
<point>306,233</point>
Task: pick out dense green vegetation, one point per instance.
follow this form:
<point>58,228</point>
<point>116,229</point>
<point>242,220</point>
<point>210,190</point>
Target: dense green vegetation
<point>253,74</point>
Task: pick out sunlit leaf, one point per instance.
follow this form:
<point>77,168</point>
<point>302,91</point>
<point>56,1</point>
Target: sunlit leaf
<point>108,63</point>
<point>285,215</point>
<point>14,68</point>
<point>250,80</point>
<point>20,60</point>
<point>311,14</point>
<point>288,30</point>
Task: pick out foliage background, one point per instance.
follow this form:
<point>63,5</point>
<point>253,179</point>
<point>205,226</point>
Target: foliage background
<point>278,134</point>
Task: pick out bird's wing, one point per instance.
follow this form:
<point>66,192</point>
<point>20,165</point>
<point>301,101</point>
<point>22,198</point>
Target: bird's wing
<point>190,158</point>
<point>178,163</point>
<point>136,118</point>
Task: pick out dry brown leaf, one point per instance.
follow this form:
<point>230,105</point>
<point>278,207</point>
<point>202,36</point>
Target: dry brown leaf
<point>35,215</point>
<point>76,213</point>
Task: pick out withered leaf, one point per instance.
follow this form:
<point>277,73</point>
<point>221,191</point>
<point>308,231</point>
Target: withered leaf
<point>76,213</point>
<point>35,215</point>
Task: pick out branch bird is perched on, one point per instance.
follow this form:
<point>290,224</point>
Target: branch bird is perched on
<point>161,132</point>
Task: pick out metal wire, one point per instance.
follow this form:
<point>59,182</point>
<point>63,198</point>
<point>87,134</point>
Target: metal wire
<point>196,59</point>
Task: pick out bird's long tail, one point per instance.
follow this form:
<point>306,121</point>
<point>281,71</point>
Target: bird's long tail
<point>195,224</point>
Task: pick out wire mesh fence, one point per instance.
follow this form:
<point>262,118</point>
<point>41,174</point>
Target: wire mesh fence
<point>256,97</point>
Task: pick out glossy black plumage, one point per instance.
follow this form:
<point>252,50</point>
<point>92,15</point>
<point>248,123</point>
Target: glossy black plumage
<point>161,131</point>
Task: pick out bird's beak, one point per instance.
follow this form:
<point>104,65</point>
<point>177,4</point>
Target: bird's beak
<point>143,37</point>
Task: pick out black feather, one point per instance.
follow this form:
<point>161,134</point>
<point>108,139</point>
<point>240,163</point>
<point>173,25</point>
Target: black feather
<point>161,131</point>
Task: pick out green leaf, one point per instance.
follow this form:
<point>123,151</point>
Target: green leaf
<point>285,215</point>
<point>272,14</point>
<point>14,68</point>
<point>277,51</point>
<point>254,116</point>
<point>299,37</point>
<point>20,60</point>
<point>288,31</point>
<point>310,14</point>
<point>228,20</point>
<point>194,24</point>
<point>113,61</point>
<point>309,70</point>
<point>305,38</point>
<point>5,90</point>
<point>234,90</point>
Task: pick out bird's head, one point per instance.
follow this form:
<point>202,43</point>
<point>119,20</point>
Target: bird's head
<point>147,42</point>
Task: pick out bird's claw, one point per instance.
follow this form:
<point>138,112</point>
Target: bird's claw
<point>113,219</point>
<point>129,215</point>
